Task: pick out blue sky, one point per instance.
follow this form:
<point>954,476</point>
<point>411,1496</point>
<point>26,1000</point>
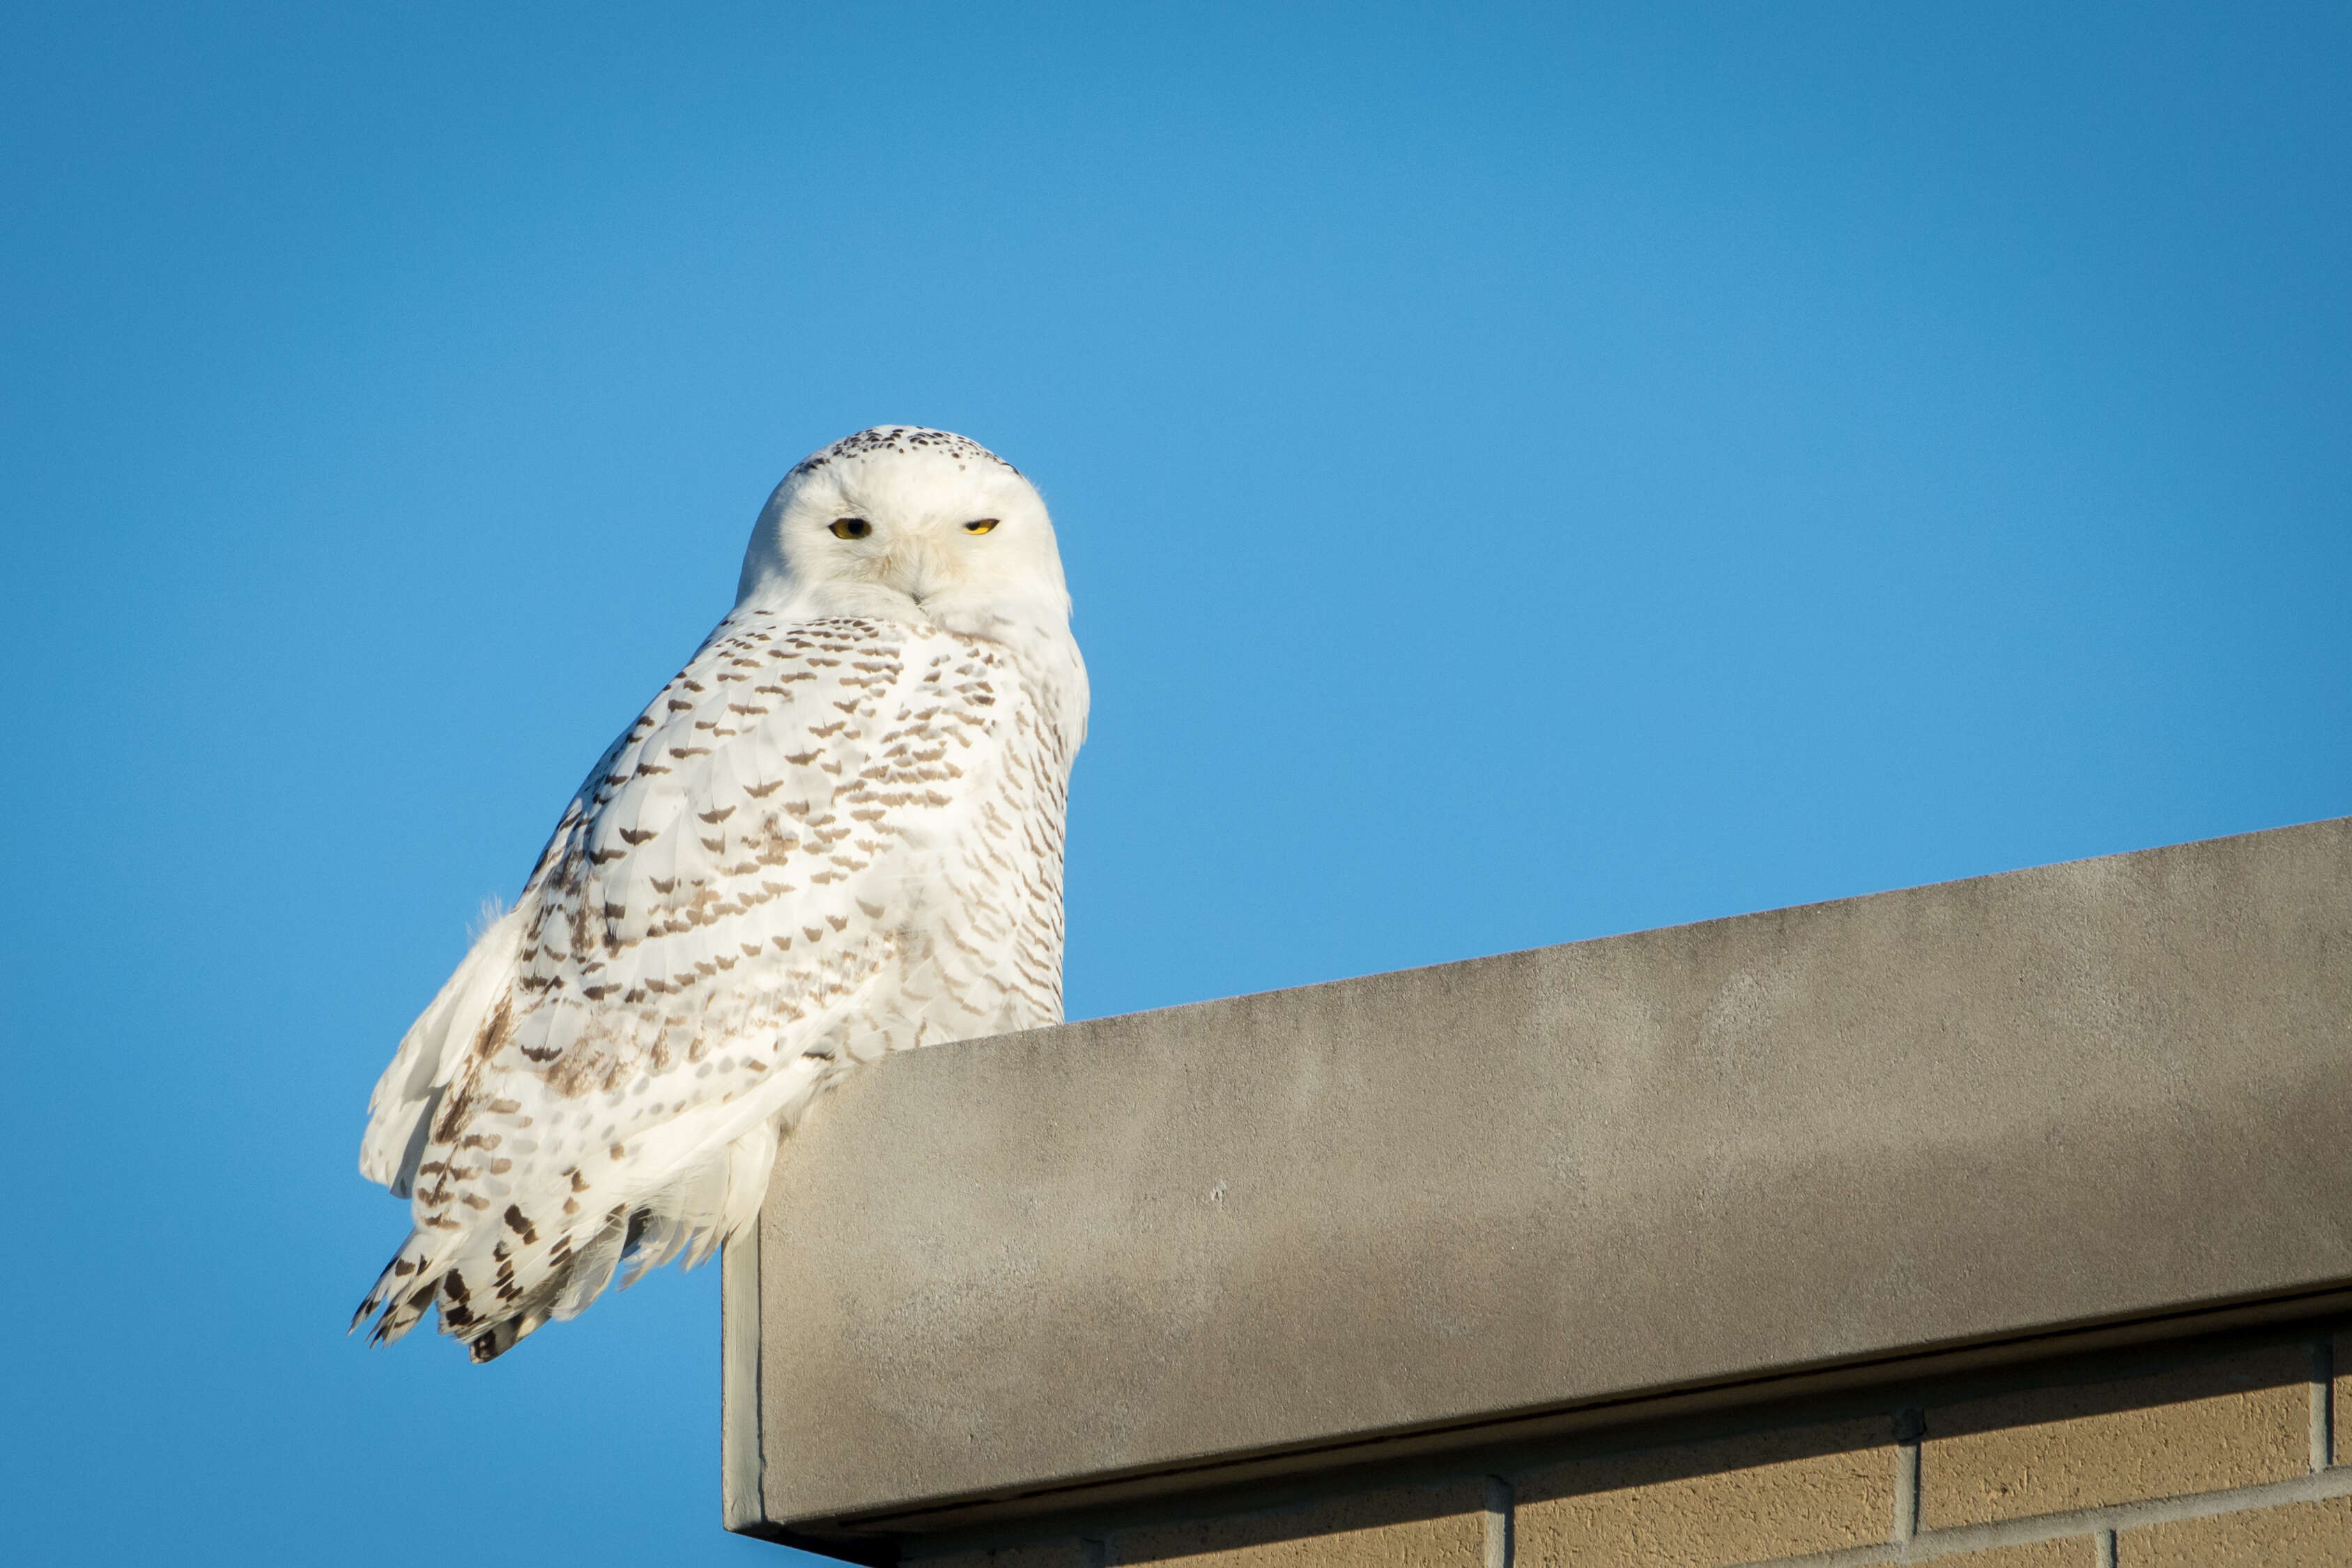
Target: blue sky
<point>1524,474</point>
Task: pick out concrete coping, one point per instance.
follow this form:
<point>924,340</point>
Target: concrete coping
<point>1433,1209</point>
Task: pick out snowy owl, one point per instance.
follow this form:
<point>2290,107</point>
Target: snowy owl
<point>837,832</point>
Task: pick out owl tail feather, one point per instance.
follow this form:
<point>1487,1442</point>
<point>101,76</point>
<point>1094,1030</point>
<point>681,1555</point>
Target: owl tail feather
<point>493,1301</point>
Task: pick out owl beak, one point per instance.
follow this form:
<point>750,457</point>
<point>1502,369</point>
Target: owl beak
<point>915,573</point>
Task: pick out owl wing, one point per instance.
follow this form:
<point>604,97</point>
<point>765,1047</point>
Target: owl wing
<point>711,933</point>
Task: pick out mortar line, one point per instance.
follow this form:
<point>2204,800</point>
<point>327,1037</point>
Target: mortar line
<point>2323,1403</point>
<point>1910,1428</point>
<point>2106,1547</point>
<point>1502,1523</point>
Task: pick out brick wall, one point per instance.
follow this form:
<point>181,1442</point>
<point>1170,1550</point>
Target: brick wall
<point>2198,1455</point>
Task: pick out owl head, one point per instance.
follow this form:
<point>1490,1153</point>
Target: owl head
<point>905,523</point>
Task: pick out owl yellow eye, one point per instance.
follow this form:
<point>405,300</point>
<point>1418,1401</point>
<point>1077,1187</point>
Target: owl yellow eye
<point>980,525</point>
<point>851,528</point>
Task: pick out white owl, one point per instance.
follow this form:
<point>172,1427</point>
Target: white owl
<point>837,832</point>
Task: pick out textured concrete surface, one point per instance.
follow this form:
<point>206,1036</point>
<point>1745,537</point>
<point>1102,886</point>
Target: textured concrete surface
<point>2242,1422</point>
<point>2082,1093</point>
<point>2300,1535</point>
<point>1402,1527</point>
<point>1705,1505</point>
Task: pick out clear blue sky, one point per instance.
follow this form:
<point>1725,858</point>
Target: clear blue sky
<point>1525,474</point>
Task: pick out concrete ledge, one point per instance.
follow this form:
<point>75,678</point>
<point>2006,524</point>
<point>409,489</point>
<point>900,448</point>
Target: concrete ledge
<point>1448,1206</point>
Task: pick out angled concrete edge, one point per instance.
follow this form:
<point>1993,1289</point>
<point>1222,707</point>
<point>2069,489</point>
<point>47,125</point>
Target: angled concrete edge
<point>1441,1207</point>
<point>738,1339</point>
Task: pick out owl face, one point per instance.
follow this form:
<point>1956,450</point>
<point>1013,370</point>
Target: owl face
<point>898,519</point>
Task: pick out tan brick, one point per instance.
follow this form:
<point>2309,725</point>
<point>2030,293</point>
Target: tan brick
<point>1700,1505</point>
<point>2068,1552</point>
<point>1400,1527</point>
<point>2297,1535</point>
<point>2201,1427</point>
<point>1041,1555</point>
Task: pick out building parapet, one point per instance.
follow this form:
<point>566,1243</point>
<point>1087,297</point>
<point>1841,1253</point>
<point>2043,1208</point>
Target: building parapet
<point>1486,1250</point>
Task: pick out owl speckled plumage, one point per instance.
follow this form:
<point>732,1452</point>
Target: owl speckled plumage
<point>836,832</point>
